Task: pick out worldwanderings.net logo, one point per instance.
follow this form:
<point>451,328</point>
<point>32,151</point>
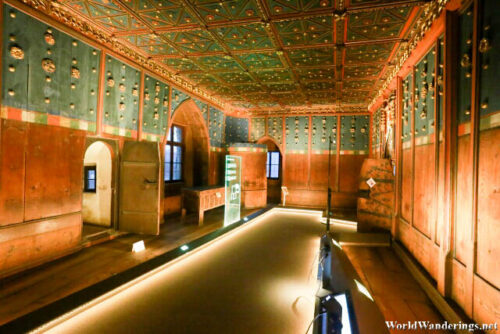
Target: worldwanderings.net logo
<point>427,325</point>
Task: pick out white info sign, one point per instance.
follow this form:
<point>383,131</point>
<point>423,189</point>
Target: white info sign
<point>371,182</point>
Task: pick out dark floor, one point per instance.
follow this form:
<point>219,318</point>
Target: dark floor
<point>33,289</point>
<point>396,292</point>
<point>259,278</point>
<point>89,230</point>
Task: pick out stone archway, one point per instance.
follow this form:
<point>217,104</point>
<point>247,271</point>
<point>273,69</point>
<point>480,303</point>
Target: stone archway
<point>196,145</point>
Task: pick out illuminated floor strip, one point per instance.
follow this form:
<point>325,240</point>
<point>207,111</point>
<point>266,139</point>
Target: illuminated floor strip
<point>94,295</point>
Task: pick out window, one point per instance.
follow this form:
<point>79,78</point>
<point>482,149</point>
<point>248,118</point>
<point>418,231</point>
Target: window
<point>173,155</point>
<point>90,179</point>
<point>273,165</point>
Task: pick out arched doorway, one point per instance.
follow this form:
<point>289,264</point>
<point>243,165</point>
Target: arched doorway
<point>98,190</point>
<point>274,170</point>
<point>195,144</point>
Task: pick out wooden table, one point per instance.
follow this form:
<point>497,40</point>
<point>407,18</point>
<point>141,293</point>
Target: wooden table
<point>201,199</point>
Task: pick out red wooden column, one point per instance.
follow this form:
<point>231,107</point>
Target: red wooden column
<point>450,144</point>
<point>474,157</point>
<point>100,90</point>
<point>398,127</point>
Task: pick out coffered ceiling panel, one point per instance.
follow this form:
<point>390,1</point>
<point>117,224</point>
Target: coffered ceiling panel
<point>263,56</point>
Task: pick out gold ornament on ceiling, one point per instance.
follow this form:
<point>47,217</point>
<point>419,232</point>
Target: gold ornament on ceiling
<point>121,106</point>
<point>135,92</point>
<point>48,65</point>
<point>111,82</point>
<point>122,88</point>
<point>16,52</point>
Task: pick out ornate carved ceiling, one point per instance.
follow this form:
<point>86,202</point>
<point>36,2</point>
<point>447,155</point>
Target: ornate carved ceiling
<point>262,56</point>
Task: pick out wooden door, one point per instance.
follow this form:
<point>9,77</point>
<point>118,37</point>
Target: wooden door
<point>140,188</point>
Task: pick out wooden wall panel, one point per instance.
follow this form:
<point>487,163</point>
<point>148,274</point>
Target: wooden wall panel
<point>54,169</point>
<point>296,171</point>
<point>488,217</point>
<point>458,285</point>
<point>424,189</point>
<point>440,195</point>
<point>349,167</point>
<point>406,189</point>
<point>486,302</point>
<point>24,245</point>
<point>319,172</point>
<point>12,164</point>
<point>422,248</point>
<point>216,172</point>
<point>463,216</point>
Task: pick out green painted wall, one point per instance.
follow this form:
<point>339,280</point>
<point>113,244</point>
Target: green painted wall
<point>236,130</point>
<point>258,128</point>
<point>464,61</point>
<point>354,133</point>
<point>489,99</point>
<point>216,127</point>
<point>177,98</point>
<point>121,98</point>
<point>297,134</point>
<point>58,75</point>
<point>407,107</point>
<point>322,128</point>
<point>425,94</point>
<point>275,128</point>
<point>155,109</point>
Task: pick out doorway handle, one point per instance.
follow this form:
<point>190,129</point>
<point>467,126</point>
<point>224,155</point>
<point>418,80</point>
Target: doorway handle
<point>146,181</point>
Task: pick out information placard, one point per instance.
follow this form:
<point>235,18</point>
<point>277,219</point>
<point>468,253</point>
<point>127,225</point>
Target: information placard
<point>232,189</point>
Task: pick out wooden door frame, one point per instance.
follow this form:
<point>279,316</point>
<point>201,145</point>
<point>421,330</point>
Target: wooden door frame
<point>114,150</point>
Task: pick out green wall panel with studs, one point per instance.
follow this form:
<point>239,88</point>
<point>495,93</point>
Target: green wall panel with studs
<point>121,98</point>
<point>440,84</point>
<point>354,134</point>
<point>236,130</point>
<point>48,76</point>
<point>464,54</point>
<point>297,134</point>
<point>407,108</point>
<point>258,128</point>
<point>489,61</point>
<point>203,109</point>
<point>424,97</point>
<point>322,128</point>
<point>177,98</point>
<point>216,127</point>
<point>155,109</point>
<point>376,129</point>
<point>275,129</point>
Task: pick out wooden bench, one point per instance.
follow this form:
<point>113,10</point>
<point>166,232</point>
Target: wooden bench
<point>201,199</point>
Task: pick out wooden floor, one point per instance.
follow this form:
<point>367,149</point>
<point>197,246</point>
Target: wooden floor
<point>395,291</point>
<point>33,289</point>
<point>393,288</point>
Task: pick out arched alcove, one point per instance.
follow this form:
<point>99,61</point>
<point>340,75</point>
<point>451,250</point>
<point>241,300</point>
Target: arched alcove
<point>97,201</point>
<point>273,184</point>
<point>196,143</point>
